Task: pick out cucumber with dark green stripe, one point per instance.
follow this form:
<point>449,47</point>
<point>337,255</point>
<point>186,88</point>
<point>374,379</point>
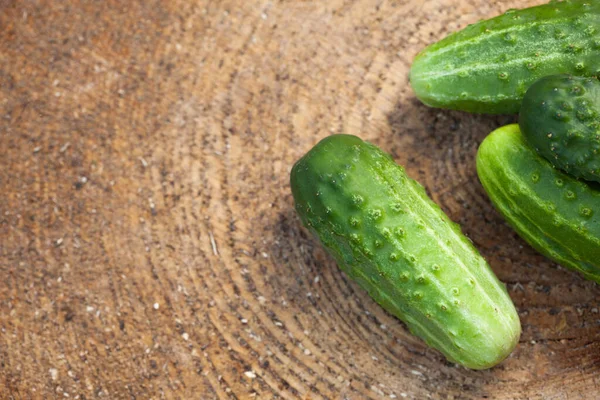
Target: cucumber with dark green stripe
<point>390,237</point>
<point>555,213</point>
<point>560,119</point>
<point>488,66</point>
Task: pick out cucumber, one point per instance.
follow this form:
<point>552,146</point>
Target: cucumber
<point>488,66</point>
<point>560,119</point>
<point>390,237</point>
<point>555,213</point>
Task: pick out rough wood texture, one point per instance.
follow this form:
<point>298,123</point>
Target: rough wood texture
<point>148,244</point>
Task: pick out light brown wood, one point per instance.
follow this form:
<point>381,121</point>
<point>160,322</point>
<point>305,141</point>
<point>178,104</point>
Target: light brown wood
<point>148,244</point>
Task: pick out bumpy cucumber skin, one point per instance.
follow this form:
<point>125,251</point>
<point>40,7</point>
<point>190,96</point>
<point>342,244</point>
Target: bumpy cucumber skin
<point>488,66</point>
<point>560,118</point>
<point>555,213</point>
<point>387,235</point>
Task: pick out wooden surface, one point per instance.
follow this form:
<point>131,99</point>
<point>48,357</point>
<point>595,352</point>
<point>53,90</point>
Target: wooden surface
<point>148,244</point>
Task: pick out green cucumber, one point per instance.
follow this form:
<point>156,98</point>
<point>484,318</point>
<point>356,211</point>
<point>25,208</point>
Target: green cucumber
<point>555,213</point>
<point>390,237</point>
<point>560,119</point>
<point>488,66</point>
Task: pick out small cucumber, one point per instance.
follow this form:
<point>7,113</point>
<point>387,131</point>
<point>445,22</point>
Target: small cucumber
<point>487,67</point>
<point>390,237</point>
<point>555,213</point>
<point>560,119</point>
